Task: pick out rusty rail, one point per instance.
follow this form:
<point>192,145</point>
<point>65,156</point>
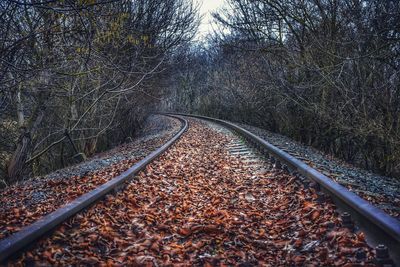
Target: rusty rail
<point>379,227</point>
<point>27,235</point>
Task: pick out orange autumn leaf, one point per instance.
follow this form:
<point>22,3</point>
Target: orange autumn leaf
<point>315,215</point>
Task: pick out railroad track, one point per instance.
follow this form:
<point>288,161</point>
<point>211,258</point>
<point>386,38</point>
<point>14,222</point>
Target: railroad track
<point>214,197</point>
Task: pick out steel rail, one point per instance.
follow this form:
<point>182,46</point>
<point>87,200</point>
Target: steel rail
<point>379,227</point>
<point>27,235</point>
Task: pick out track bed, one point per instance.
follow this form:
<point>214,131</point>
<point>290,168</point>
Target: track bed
<point>208,200</point>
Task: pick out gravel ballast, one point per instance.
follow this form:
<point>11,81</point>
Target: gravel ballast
<point>25,202</point>
<point>199,204</point>
<point>383,191</point>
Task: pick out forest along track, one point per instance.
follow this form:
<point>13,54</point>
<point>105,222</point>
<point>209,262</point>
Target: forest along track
<point>26,202</point>
<point>210,200</point>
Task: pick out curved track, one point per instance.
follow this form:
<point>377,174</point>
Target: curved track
<point>380,227</point>
<point>212,198</point>
<point>29,234</point>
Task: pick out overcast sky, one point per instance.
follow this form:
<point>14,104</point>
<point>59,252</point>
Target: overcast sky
<point>207,6</point>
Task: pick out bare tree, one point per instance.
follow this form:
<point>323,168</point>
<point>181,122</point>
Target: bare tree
<point>325,72</point>
<point>69,69</point>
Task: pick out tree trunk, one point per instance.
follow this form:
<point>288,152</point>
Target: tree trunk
<point>20,108</point>
<point>17,165</point>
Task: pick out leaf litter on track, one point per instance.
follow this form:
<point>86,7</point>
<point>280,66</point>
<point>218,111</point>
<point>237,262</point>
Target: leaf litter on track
<point>26,202</point>
<point>199,205</point>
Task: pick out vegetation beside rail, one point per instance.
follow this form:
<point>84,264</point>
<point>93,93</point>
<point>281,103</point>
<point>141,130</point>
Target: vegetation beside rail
<point>325,73</point>
<point>79,77</point>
